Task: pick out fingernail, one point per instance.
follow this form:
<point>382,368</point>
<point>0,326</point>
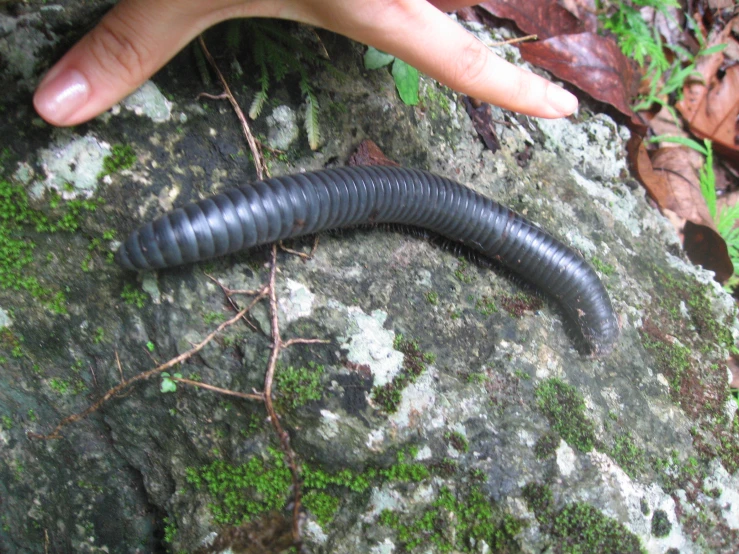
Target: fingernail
<point>59,99</point>
<point>561,100</point>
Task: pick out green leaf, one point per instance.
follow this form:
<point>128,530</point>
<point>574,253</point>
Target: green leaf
<point>685,141</point>
<point>713,49</point>
<point>257,104</point>
<point>407,82</point>
<point>169,384</point>
<point>375,59</point>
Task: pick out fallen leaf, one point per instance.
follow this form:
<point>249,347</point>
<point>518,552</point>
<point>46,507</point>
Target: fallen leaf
<point>705,247</point>
<point>592,63</point>
<point>368,153</point>
<point>663,123</point>
<point>681,193</point>
<point>711,105</point>
<point>671,179</point>
<point>482,120</point>
<point>539,17</point>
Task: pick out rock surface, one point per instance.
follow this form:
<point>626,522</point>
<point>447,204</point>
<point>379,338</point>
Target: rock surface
<point>449,410</point>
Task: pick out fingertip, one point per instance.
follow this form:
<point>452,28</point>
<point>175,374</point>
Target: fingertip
<point>560,102</point>
<point>61,95</point>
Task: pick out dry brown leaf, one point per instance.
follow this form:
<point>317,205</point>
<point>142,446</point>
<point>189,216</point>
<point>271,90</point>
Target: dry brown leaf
<point>682,193</point>
<point>591,62</point>
<point>671,178</point>
<point>711,106</point>
<point>663,123</point>
<point>543,18</point>
<point>368,153</point>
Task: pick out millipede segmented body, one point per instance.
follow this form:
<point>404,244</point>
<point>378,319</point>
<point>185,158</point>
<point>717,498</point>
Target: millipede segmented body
<point>295,205</point>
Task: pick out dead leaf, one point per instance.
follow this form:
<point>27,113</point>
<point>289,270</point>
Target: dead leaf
<point>482,120</point>
<point>539,17</point>
<point>663,123</point>
<point>368,153</point>
<point>682,193</point>
<point>705,247</point>
<point>711,105</point>
<point>671,179</point>
<point>591,62</point>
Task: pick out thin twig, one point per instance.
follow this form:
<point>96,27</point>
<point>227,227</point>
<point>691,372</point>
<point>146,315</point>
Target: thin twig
<point>516,40</point>
<point>218,389</point>
<point>259,163</point>
<point>302,255</point>
<point>268,379</point>
<point>144,376</point>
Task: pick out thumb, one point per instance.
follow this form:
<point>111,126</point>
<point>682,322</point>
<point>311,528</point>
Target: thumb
<point>132,41</point>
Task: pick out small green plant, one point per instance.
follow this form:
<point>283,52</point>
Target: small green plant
<point>98,336</point>
<point>6,422</point>
<point>150,346</point>
<point>133,296</point>
<point>169,384</point>
<point>406,77</point>
<point>432,298</point>
<point>668,65</point>
<point>170,530</point>
<point>277,53</point>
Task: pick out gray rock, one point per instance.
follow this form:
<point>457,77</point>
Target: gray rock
<point>502,405</point>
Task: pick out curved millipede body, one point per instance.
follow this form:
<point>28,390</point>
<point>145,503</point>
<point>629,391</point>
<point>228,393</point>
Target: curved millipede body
<point>306,203</point>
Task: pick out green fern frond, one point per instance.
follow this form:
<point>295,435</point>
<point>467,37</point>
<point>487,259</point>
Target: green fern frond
<point>311,115</point>
<point>257,104</point>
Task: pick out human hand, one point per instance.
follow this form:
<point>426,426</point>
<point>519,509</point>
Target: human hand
<point>137,37</point>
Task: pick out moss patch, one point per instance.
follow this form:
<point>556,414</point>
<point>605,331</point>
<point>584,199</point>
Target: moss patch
<point>297,387</point>
<point>628,455</point>
<point>455,523</point>
<point>122,156</point>
<point>579,527</point>
<point>388,396</point>
<point>17,220</point>
<point>564,408</point>
<point>661,525</point>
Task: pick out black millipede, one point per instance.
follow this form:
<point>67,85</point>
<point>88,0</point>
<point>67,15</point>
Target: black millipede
<point>306,203</point>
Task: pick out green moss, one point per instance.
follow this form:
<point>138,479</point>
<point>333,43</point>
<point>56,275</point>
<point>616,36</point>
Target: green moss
<point>133,296</point>
<point>214,317</point>
<point>432,298</point>
<point>627,455</point>
<point>604,268</point>
<point>241,493</point>
<point>458,441</point>
<point>388,396</point>
<point>564,408</point>
<point>60,386</point>
<point>122,156</point>
<point>546,445</point>
<point>463,272</point>
<point>540,500</point>
<point>322,505</point>
<point>170,531</point>
<point>297,387</point>
<point>99,335</point>
<point>578,527</point>
<point>582,528</point>
<point>6,423</point>
<point>673,360</point>
<point>455,522</point>
<point>661,525</point>
<point>486,306</point>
